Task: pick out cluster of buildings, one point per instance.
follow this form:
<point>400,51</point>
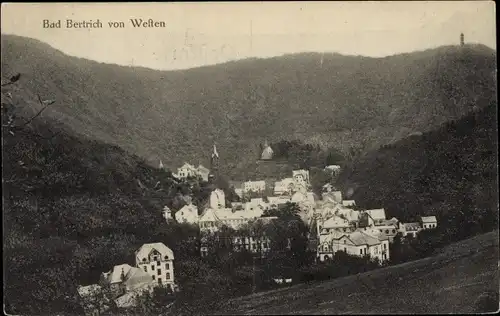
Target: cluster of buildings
<point>341,227</point>
<point>154,267</point>
<point>338,224</point>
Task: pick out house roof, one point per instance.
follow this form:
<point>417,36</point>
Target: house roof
<point>360,238</point>
<point>115,275</point>
<point>428,219</point>
<point>348,202</point>
<point>203,169</point>
<point>335,221</point>
<point>411,226</point>
<point>187,165</point>
<point>146,249</point>
<point>332,167</point>
<point>376,214</point>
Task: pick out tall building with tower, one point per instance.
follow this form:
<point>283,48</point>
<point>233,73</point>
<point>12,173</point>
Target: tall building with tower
<point>462,40</point>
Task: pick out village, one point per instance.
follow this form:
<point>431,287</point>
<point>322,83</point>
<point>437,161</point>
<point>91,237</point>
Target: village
<point>335,225</point>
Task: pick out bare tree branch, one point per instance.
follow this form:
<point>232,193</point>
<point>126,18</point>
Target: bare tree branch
<point>39,112</point>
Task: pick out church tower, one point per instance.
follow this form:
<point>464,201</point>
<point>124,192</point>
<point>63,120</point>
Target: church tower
<point>214,165</point>
<point>462,40</point>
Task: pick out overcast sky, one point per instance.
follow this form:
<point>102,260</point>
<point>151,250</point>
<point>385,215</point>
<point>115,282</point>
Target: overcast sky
<point>197,34</point>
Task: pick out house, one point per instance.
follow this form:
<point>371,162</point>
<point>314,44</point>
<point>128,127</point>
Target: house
<point>410,229</point>
<point>188,170</point>
<point>301,178</point>
<point>428,222</point>
<point>375,216</point>
<point>123,278</point>
<point>254,186</point>
<point>157,261</point>
<point>217,199</point>
<point>187,214</point>
<point>357,243</point>
<point>334,224</point>
<point>388,231</point>
<point>167,213</point>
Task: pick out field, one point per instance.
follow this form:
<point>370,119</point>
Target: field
<point>448,282</point>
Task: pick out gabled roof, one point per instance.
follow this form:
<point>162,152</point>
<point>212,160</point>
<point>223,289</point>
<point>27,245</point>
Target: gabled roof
<point>360,238</point>
<point>428,219</point>
<point>146,249</point>
<point>376,214</point>
<point>203,169</point>
<point>187,165</point>
<point>335,221</point>
<point>115,275</point>
<point>411,226</point>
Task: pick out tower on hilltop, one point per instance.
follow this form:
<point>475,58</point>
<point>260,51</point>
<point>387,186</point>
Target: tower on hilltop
<point>462,40</point>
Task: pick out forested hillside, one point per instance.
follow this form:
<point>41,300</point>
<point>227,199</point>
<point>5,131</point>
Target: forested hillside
<point>73,208</point>
<point>451,172</point>
<point>352,103</point>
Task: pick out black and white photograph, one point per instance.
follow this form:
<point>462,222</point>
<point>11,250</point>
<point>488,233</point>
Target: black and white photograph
<point>250,158</point>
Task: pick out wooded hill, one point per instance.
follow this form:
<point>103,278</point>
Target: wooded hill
<point>449,172</point>
<point>354,103</point>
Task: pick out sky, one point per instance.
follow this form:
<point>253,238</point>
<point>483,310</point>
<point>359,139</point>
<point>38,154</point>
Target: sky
<point>197,34</point>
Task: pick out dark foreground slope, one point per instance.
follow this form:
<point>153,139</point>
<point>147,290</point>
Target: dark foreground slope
<point>450,171</point>
<point>72,208</point>
<point>350,102</point>
<point>449,282</point>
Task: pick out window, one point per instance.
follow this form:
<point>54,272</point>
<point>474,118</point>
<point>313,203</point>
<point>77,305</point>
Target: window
<point>145,269</point>
<point>159,280</point>
<point>393,231</point>
<point>345,249</point>
<point>158,263</point>
<point>386,231</point>
<point>168,275</point>
<point>153,277</point>
<point>365,250</point>
<point>360,251</point>
<point>158,271</point>
<point>167,266</point>
<point>385,246</point>
<point>152,267</point>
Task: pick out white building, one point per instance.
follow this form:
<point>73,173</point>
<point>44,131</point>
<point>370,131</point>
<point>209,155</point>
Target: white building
<point>375,216</point>
<point>357,243</point>
<point>213,219</point>
<point>188,170</point>
<point>254,186</point>
<point>157,260</point>
<point>334,196</point>
<point>428,222</point>
<point>410,229</point>
<point>124,278</point>
<point>301,178</point>
<point>217,199</point>
<point>187,214</point>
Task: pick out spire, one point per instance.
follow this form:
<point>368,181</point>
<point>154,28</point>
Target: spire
<point>161,165</point>
<point>123,275</point>
<point>215,153</point>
